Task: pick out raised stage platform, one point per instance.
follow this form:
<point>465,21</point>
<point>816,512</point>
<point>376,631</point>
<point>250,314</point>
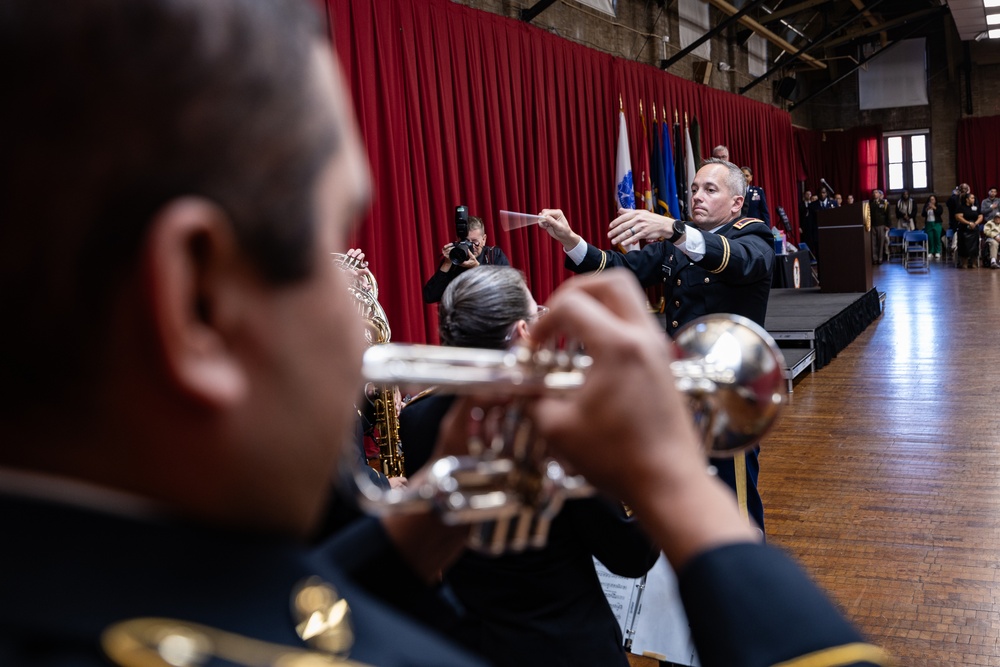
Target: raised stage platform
<point>812,327</point>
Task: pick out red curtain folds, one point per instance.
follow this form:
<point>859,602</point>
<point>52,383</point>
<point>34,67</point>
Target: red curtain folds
<point>978,154</point>
<point>459,106</point>
<point>849,160</point>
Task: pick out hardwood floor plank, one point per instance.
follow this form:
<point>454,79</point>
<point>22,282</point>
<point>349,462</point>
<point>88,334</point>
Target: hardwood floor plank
<point>882,475</point>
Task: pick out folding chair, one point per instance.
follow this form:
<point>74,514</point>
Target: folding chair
<point>946,250</point>
<point>804,247</point>
<point>897,247</point>
<point>915,251</point>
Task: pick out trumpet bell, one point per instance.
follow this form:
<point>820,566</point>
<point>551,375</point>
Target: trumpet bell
<point>731,370</point>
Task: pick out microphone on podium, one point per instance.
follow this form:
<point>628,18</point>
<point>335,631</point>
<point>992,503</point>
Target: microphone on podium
<point>828,186</point>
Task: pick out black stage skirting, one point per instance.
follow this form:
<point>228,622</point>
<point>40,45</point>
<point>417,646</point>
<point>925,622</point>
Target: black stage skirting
<point>829,322</point>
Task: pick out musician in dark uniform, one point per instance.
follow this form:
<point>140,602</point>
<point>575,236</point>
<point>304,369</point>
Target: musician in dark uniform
<point>181,359</point>
<point>755,203</point>
<point>479,255</point>
<point>542,606</point>
<point>718,263</point>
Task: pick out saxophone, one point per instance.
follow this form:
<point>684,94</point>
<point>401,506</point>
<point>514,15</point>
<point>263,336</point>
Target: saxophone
<point>364,289</point>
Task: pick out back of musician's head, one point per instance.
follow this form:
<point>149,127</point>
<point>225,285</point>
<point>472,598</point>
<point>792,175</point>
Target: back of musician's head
<point>482,305</point>
<point>111,110</point>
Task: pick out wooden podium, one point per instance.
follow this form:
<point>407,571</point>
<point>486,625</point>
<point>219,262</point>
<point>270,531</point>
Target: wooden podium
<point>846,265</point>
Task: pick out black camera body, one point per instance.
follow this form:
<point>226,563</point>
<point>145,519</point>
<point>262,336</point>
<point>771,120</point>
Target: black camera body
<point>461,251</point>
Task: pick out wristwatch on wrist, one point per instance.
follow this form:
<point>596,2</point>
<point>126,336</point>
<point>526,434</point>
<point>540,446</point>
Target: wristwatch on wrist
<point>679,229</point>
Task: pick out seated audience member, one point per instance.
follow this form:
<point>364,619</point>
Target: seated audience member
<point>850,199</point>
<point>969,217</point>
<point>991,214</point>
<point>543,606</point>
<point>179,370</point>
<point>479,255</point>
<point>721,152</point>
<point>906,211</point>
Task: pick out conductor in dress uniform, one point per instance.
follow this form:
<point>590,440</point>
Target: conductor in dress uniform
<point>720,262</point>
<point>181,359</point>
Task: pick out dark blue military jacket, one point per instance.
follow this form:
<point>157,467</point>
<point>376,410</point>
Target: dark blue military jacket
<point>755,204</point>
<point>68,574</point>
<point>734,276</point>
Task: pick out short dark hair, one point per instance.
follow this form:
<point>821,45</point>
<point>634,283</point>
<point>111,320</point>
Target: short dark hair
<point>113,109</point>
<point>481,306</point>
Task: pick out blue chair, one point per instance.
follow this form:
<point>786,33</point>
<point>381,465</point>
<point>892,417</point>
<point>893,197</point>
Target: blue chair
<point>947,252</point>
<point>915,251</point>
<point>897,247</point>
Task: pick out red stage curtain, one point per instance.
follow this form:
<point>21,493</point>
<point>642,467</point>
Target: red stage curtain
<point>849,160</point>
<point>459,106</point>
<point>978,154</point>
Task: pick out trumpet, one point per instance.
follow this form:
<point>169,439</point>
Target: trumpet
<point>508,488</point>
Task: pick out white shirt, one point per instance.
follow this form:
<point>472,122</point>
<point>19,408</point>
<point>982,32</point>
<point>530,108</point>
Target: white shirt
<point>693,245</point>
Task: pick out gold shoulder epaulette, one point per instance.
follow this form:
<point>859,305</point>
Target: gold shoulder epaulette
<point>743,222</point>
<point>165,642</point>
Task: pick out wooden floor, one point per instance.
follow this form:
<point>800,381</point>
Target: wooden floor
<point>883,473</point>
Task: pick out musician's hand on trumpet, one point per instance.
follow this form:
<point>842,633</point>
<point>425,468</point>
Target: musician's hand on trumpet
<point>627,429</point>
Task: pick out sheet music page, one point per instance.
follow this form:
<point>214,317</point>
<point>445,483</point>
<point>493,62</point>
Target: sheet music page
<point>620,592</point>
<point>659,626</point>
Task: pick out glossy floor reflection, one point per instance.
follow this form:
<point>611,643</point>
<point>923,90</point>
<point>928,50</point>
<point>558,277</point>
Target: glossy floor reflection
<point>883,474</point>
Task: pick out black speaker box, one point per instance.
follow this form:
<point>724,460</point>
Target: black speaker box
<point>785,88</point>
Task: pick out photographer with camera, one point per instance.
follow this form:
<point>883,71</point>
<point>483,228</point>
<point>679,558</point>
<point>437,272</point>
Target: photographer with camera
<point>470,251</point>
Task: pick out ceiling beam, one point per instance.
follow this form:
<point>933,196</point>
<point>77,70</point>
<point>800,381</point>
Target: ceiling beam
<point>850,37</point>
<point>777,15</point>
<point>764,32</point>
<point>864,61</point>
<point>798,54</point>
<point>664,64</point>
<point>528,14</point>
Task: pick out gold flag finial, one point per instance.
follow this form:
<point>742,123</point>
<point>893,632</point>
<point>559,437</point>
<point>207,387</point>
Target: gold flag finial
<point>654,113</point>
<point>621,105</point>
<point>685,119</point>
<point>640,107</point>
<point>677,118</point>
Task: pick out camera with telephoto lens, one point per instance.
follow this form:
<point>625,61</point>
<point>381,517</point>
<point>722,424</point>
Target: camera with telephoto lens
<point>463,249</point>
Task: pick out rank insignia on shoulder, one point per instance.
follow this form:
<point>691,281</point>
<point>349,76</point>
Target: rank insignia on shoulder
<point>740,224</point>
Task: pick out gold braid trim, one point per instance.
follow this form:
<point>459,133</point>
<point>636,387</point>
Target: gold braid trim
<point>838,656</point>
<point>725,256</point>
<point>604,261</point>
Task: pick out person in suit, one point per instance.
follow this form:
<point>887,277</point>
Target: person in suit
<point>480,255</point>
<point>179,370</point>
<point>755,203</point>
<point>542,606</point>
<point>720,263</point>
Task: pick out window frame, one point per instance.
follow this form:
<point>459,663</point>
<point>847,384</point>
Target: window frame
<point>907,162</point>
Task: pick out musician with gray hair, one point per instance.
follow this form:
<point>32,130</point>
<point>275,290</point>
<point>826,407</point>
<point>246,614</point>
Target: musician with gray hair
<point>543,606</point>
